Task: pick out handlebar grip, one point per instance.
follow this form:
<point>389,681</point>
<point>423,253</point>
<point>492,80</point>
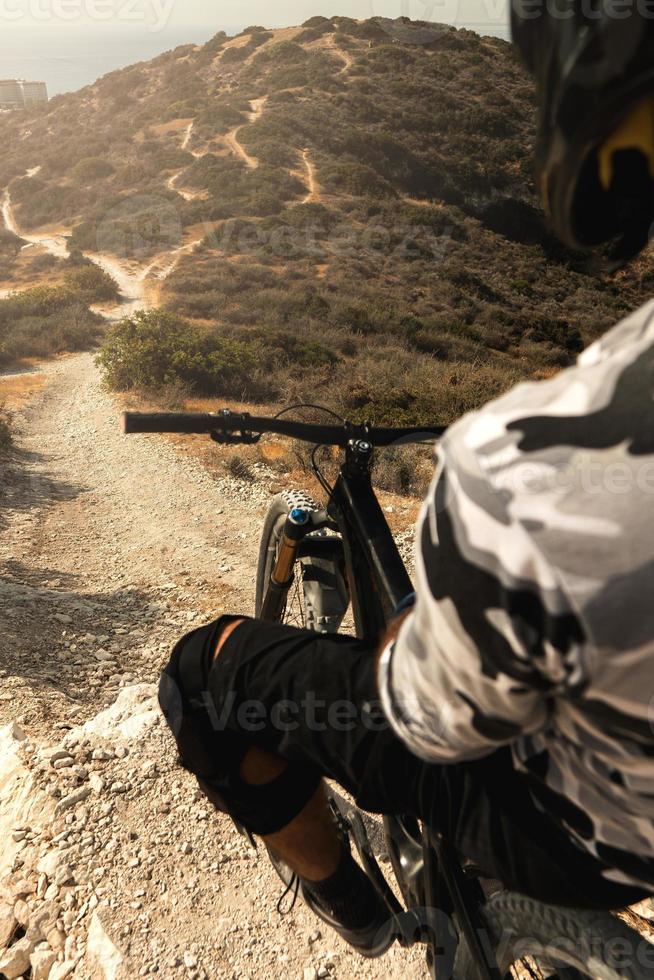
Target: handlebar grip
<point>188,423</point>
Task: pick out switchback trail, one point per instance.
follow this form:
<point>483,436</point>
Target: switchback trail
<point>231,138</point>
<point>111,547</point>
<point>129,277</point>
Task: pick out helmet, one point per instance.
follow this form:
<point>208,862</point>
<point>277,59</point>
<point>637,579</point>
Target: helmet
<point>594,66</point>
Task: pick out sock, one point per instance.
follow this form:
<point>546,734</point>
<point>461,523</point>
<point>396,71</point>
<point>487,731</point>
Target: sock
<point>348,894</point>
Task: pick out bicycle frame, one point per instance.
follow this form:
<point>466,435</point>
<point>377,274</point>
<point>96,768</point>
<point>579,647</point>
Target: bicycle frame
<point>378,582</point>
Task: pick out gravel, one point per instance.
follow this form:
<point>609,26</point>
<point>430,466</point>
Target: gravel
<point>108,851</point>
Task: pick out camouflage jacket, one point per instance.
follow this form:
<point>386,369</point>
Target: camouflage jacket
<point>534,623</point>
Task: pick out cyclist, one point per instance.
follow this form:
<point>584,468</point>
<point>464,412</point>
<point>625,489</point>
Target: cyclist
<point>511,706</point>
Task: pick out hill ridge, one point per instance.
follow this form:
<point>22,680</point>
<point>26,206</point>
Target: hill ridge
<point>355,208</point>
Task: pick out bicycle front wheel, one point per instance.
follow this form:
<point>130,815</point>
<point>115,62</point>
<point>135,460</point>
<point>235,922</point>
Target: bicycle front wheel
<point>533,939</point>
<point>318,597</point>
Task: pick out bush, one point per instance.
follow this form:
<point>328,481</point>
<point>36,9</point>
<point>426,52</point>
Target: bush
<point>92,284</point>
<point>42,322</point>
<point>95,168</point>
<point>155,349</point>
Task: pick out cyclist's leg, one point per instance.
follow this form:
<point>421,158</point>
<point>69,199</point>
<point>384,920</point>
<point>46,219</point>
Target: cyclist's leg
<point>312,700</point>
<point>484,807</point>
<point>282,801</point>
<point>308,699</point>
<point>309,843</point>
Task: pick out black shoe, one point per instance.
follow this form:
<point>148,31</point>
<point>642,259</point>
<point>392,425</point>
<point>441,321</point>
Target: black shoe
<point>371,940</point>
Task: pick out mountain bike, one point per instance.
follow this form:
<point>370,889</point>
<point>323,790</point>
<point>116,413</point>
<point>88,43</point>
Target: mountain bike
<point>319,563</point>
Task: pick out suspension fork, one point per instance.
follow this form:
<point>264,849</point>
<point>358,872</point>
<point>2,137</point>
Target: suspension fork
<point>298,525</point>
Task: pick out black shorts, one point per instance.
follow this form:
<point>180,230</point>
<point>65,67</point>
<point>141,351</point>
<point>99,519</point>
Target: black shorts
<point>312,699</point>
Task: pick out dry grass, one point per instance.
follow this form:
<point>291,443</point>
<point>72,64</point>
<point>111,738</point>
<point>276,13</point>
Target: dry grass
<point>17,390</point>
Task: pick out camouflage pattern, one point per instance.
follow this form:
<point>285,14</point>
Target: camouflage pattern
<point>534,624</point>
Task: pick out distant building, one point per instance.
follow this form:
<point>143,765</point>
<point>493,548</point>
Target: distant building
<point>16,93</point>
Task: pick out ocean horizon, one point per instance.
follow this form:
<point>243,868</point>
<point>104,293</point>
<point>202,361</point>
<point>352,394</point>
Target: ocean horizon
<point>69,62</point>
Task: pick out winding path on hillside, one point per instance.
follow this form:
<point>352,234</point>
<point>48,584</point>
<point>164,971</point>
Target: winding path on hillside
<point>231,138</point>
<point>130,280</point>
<point>313,193</point>
<point>54,242</point>
<point>345,56</point>
<point>172,181</point>
<point>134,282</point>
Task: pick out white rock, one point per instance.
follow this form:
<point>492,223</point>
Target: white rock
<point>61,970</point>
<point>43,921</point>
<point>22,802</point>
<point>22,912</point>
<point>63,875</point>
<point>16,732</point>
<point>72,800</point>
<point>310,973</point>
<point>42,961</point>
<point>7,924</point>
<point>132,714</point>
<point>16,960</point>
<point>190,961</point>
<point>103,950</point>
<point>64,763</point>
<point>49,863</point>
<point>103,656</point>
<point>96,783</point>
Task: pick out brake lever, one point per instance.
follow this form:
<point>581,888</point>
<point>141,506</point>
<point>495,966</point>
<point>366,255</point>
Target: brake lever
<point>244,437</point>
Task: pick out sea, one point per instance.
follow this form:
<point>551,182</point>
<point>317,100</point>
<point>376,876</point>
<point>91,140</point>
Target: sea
<point>69,62</point>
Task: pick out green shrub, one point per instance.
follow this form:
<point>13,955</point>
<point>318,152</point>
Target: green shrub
<point>94,168</point>
<point>155,349</point>
<point>92,284</point>
<point>42,322</point>
<point>233,55</point>
<point>356,179</point>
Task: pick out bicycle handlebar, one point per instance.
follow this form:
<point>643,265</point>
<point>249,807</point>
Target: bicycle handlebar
<point>240,427</point>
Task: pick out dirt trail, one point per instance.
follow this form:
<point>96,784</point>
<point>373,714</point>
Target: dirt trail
<point>171,183</point>
<point>344,55</point>
<point>111,548</point>
<point>313,193</point>
<point>129,277</point>
<point>137,292</point>
<point>54,242</point>
<point>257,106</point>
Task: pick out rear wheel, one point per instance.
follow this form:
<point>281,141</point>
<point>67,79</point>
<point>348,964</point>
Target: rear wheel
<point>535,940</point>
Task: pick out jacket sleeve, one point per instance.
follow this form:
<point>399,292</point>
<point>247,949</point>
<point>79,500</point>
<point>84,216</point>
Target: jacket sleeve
<point>491,640</point>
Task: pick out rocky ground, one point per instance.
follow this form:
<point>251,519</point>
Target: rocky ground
<point>112,865</point>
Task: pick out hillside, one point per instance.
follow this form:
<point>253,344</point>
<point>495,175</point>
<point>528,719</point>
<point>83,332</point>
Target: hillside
<point>343,209</point>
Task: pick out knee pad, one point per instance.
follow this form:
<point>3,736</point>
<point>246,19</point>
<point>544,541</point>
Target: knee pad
<point>214,753</point>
